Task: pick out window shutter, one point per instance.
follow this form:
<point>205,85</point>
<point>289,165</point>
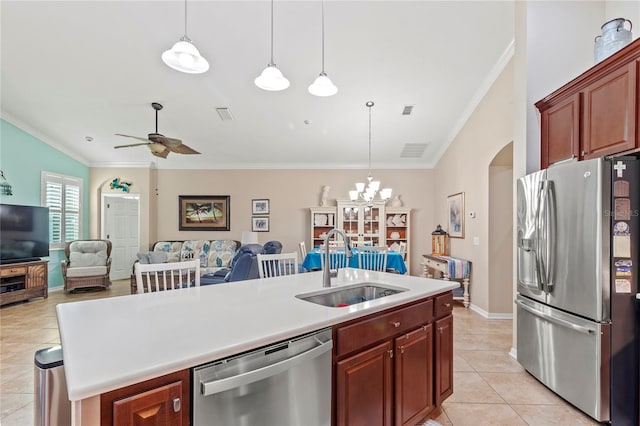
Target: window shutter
<point>63,196</point>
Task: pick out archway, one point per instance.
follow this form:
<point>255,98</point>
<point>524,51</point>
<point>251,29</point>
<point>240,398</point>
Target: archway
<point>501,233</point>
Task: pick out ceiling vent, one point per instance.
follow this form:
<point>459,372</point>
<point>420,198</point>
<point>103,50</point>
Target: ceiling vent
<point>224,113</point>
<point>413,150</point>
<point>407,110</point>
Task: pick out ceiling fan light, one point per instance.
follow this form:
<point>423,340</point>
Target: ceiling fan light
<point>271,79</point>
<point>185,57</point>
<point>323,86</point>
<point>156,147</point>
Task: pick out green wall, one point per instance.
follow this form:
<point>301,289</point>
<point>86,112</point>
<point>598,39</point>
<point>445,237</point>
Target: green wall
<point>22,159</point>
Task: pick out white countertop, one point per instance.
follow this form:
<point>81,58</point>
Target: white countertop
<point>115,342</point>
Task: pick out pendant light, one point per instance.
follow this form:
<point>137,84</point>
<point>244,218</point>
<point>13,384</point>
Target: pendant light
<point>271,78</point>
<point>368,193</point>
<point>184,56</point>
<point>323,86</point>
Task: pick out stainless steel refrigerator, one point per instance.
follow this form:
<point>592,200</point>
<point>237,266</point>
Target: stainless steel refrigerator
<point>578,233</point>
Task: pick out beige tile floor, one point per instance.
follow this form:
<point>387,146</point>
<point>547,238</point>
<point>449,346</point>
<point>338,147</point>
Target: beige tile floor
<point>490,388</point>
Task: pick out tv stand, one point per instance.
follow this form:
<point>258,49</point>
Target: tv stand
<point>23,280</point>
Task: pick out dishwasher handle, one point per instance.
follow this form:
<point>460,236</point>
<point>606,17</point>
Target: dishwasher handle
<point>217,386</point>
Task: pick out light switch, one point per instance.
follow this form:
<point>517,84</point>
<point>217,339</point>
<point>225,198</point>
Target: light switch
<point>476,241</point>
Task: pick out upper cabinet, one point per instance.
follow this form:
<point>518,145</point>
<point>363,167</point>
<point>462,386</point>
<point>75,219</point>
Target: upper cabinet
<point>362,224</point>
<point>596,114</point>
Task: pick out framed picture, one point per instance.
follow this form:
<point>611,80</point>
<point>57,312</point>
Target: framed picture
<point>260,206</point>
<point>204,212</point>
<point>455,208</point>
<point>260,224</point>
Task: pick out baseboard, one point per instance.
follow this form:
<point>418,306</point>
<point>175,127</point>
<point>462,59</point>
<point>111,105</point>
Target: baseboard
<point>514,353</point>
<point>489,315</point>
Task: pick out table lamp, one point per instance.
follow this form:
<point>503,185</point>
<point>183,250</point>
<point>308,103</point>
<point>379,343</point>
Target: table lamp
<point>249,237</point>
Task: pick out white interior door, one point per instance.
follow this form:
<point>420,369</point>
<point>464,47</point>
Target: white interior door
<point>121,218</point>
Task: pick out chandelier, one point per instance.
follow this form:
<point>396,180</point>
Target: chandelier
<point>368,193</point>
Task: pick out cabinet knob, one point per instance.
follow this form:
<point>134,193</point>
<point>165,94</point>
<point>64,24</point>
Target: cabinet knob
<point>447,305</point>
<point>424,327</point>
<point>390,352</point>
<point>401,349</point>
<point>396,324</point>
<point>176,405</point>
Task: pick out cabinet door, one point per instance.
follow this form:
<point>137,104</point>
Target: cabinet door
<point>444,358</point>
<point>37,275</point>
<point>560,131</point>
<point>362,224</point>
<point>609,115</point>
<point>161,406</point>
<point>364,393</point>
<point>414,376</point>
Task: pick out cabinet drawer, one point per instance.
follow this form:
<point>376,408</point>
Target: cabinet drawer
<point>383,326</point>
<point>443,305</point>
<point>13,270</point>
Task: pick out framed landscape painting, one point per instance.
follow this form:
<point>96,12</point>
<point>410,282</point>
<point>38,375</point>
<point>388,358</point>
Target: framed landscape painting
<point>455,209</point>
<point>204,212</point>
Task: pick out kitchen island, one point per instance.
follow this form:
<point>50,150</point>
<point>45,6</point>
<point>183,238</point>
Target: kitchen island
<point>113,343</point>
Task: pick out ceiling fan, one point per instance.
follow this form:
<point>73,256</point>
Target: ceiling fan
<point>159,145</point>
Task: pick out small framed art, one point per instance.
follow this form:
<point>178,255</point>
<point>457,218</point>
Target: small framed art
<point>260,206</point>
<point>260,224</point>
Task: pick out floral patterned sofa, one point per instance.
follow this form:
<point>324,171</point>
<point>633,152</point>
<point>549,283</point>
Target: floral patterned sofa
<point>214,255</point>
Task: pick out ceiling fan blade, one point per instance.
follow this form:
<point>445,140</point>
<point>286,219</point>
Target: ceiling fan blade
<point>133,144</point>
<point>134,137</point>
<point>182,149</point>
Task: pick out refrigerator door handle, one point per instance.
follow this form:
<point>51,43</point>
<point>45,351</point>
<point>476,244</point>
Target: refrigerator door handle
<point>558,321</point>
<point>549,266</point>
<point>539,227</point>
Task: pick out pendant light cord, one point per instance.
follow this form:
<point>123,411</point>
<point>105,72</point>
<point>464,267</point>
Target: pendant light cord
<point>271,34</point>
<point>370,104</point>
<point>323,39</point>
<point>185,19</point>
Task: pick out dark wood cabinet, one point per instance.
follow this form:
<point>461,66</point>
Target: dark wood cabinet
<point>22,281</point>
<point>414,376</point>
<point>364,387</point>
<point>609,114</point>
<point>595,114</point>
<point>443,358</point>
<point>561,131</point>
<point>385,364</point>
<point>160,401</point>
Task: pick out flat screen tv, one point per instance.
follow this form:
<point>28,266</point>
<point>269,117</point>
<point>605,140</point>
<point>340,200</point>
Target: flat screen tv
<point>24,233</point>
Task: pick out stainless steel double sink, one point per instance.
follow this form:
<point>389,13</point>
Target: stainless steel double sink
<point>350,295</point>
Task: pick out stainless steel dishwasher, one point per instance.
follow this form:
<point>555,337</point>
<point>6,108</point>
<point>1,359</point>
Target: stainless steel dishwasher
<point>287,383</point>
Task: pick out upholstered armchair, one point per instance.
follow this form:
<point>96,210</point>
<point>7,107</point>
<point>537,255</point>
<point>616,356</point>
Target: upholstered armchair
<point>88,264</point>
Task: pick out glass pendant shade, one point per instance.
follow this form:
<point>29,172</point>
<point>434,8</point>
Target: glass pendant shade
<point>323,86</point>
<point>185,57</point>
<point>272,79</point>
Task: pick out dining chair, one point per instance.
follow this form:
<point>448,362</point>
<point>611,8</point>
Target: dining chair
<point>153,277</point>
<point>373,258</point>
<point>403,249</point>
<point>337,258</point>
<point>277,265</point>
<point>303,249</point>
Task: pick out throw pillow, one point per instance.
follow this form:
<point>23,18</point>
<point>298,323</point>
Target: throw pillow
<point>157,257</point>
<point>143,257</point>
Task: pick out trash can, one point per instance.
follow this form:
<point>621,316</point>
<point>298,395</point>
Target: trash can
<point>52,406</point>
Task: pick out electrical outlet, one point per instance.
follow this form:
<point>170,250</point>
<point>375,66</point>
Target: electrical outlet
<point>476,241</point>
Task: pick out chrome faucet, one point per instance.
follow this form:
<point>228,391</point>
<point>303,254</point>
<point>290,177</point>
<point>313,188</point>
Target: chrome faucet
<point>326,271</point>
